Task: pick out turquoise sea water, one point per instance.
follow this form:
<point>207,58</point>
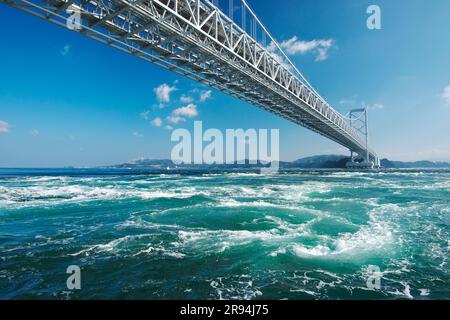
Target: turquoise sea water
<point>295,235</point>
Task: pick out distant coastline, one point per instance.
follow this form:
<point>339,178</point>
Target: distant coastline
<point>313,162</point>
<point>165,165</point>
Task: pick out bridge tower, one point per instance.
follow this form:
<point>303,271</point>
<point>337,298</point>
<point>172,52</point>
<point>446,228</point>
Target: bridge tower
<point>359,121</point>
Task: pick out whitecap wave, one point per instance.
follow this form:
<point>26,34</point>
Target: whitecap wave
<point>51,195</point>
<point>376,237</point>
<point>240,287</point>
<point>110,246</point>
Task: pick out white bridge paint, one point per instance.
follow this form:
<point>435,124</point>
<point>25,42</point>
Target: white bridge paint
<point>198,40</point>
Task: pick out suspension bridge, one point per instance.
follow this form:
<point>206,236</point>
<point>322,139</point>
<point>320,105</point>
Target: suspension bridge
<point>221,44</point>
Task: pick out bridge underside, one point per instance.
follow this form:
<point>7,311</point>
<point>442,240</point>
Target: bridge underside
<point>195,39</point>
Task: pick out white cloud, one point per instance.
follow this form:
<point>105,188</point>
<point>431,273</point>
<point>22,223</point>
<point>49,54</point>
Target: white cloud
<point>65,50</point>
<point>137,134</point>
<point>296,46</point>
<point>446,95</point>
<point>144,115</point>
<point>188,111</point>
<point>375,106</point>
<point>180,114</point>
<point>348,102</point>
<point>176,119</point>
<point>322,54</point>
<point>168,127</point>
<point>355,103</point>
<point>163,92</point>
<point>34,132</point>
<point>186,99</point>
<point>205,95</point>
<point>4,127</point>
<point>157,122</point>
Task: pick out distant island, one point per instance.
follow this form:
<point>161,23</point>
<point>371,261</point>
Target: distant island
<point>314,162</point>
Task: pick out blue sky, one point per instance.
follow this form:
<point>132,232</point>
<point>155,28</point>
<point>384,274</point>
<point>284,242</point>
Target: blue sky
<point>68,100</point>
